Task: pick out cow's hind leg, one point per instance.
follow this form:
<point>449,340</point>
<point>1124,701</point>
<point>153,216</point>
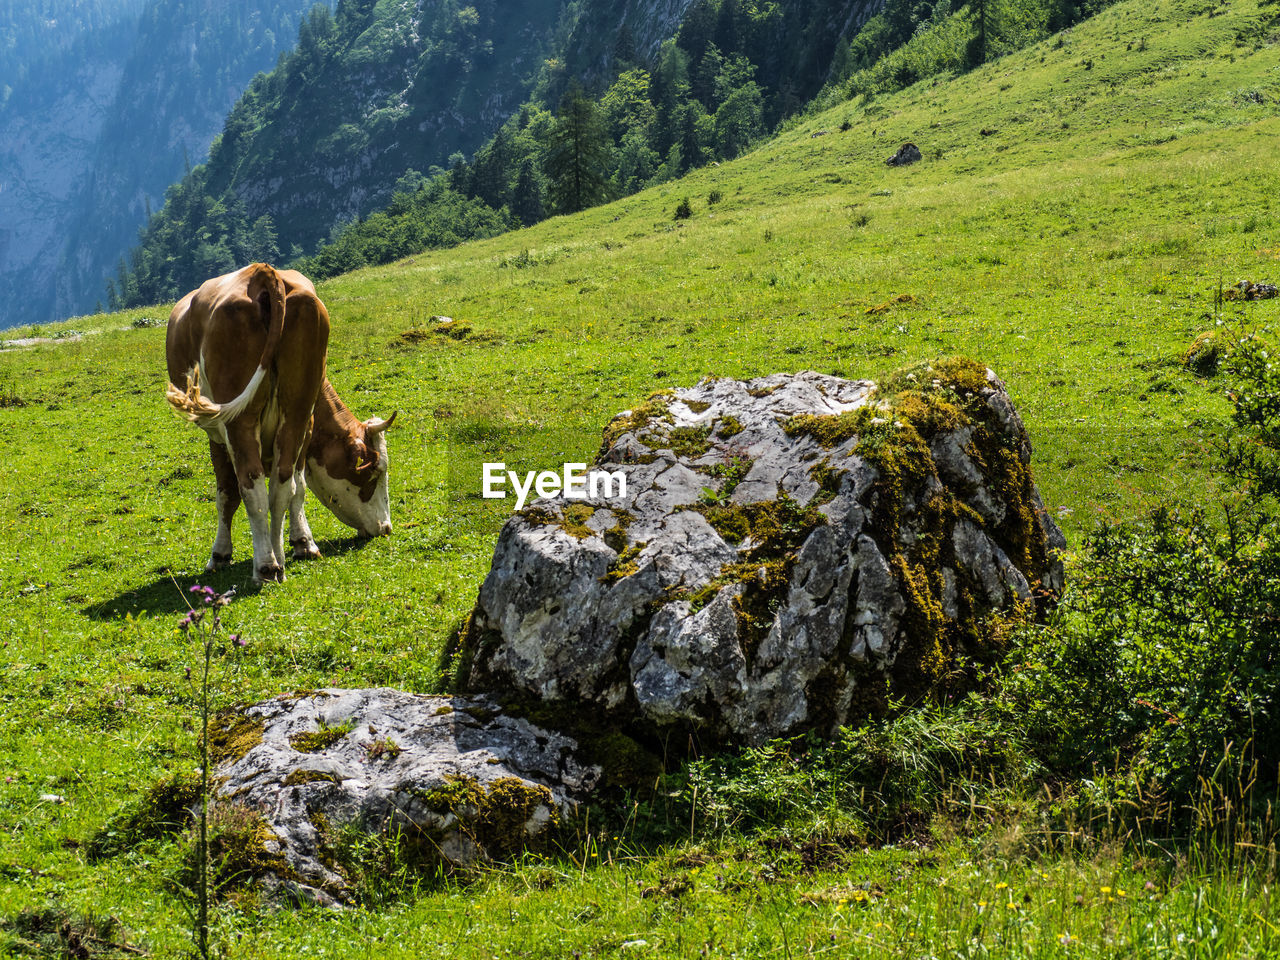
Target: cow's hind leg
<point>228,503</point>
<point>300,538</point>
<point>243,442</point>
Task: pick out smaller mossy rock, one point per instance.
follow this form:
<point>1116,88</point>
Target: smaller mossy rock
<point>1248,290</point>
<point>788,552</point>
<point>465,782</point>
<point>1206,353</point>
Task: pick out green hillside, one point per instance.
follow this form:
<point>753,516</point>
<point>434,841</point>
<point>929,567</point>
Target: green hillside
<point>1079,206</point>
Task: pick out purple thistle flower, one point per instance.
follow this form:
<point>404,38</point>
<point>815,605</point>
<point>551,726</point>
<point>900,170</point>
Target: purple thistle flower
<point>238,640</point>
<point>188,669</point>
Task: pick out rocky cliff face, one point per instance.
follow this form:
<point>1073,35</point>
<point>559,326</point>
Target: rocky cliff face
<point>104,128</point>
<point>46,146</point>
<point>160,118</point>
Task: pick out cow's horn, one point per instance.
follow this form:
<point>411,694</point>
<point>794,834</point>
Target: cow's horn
<point>377,426</point>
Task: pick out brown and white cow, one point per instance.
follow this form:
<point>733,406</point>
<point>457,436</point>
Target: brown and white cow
<point>250,347</point>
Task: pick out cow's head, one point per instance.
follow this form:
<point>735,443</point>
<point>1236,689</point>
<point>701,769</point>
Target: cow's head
<point>347,472</point>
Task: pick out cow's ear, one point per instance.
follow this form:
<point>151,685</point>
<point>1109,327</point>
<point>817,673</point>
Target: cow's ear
<point>355,450</point>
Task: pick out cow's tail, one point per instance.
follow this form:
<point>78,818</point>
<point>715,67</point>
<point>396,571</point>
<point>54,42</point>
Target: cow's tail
<point>266,289</point>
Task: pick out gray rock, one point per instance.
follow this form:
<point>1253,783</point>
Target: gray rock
<point>784,547</point>
<point>454,776</point>
<point>907,153</point>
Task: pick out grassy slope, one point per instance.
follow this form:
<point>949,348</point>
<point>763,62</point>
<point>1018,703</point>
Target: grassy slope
<point>1076,250</point>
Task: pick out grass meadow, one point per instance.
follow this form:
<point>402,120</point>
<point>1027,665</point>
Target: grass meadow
<point>1079,208</point>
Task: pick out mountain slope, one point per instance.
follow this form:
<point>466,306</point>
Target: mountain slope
<point>1077,247</point>
<point>724,75</point>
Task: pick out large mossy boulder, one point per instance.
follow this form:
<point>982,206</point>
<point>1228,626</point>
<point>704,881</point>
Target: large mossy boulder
<point>448,780</point>
<point>790,551</point>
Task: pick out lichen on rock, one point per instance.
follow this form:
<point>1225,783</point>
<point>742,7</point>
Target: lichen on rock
<point>792,543</point>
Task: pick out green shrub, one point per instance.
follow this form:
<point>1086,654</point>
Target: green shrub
<point>1165,653</point>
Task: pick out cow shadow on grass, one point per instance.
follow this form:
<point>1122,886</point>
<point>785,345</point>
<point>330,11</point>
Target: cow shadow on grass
<point>168,593</point>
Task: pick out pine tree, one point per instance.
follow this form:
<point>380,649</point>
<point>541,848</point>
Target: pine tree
<point>489,173</point>
<point>459,172</point>
<point>578,160</point>
<point>697,29</point>
<point>526,199</point>
<point>694,130</point>
<point>726,35</point>
<point>986,14</point>
<point>668,87</point>
<point>703,85</point>
<point>624,48</point>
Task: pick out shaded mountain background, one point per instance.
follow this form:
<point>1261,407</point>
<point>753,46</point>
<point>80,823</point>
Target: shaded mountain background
<point>559,108</point>
<point>100,119</point>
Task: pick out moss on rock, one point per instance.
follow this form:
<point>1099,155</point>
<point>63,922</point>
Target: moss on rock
<point>623,565</point>
<point>1206,353</point>
<point>615,538</point>
<point>655,407</point>
<point>314,741</point>
<point>774,527</point>
<point>232,734</point>
<point>574,521</point>
<point>915,406</point>
<point>242,848</point>
<point>728,426</point>
<point>689,442</point>
<point>495,816</point>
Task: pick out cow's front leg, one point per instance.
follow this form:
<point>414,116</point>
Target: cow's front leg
<point>300,538</point>
<point>290,456</point>
<point>228,503</point>
<point>252,481</point>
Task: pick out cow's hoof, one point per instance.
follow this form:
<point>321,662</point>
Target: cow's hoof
<point>217,562</point>
<point>305,550</point>
<point>274,572</point>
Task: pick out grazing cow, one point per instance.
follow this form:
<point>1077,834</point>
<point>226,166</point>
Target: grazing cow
<point>250,347</point>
